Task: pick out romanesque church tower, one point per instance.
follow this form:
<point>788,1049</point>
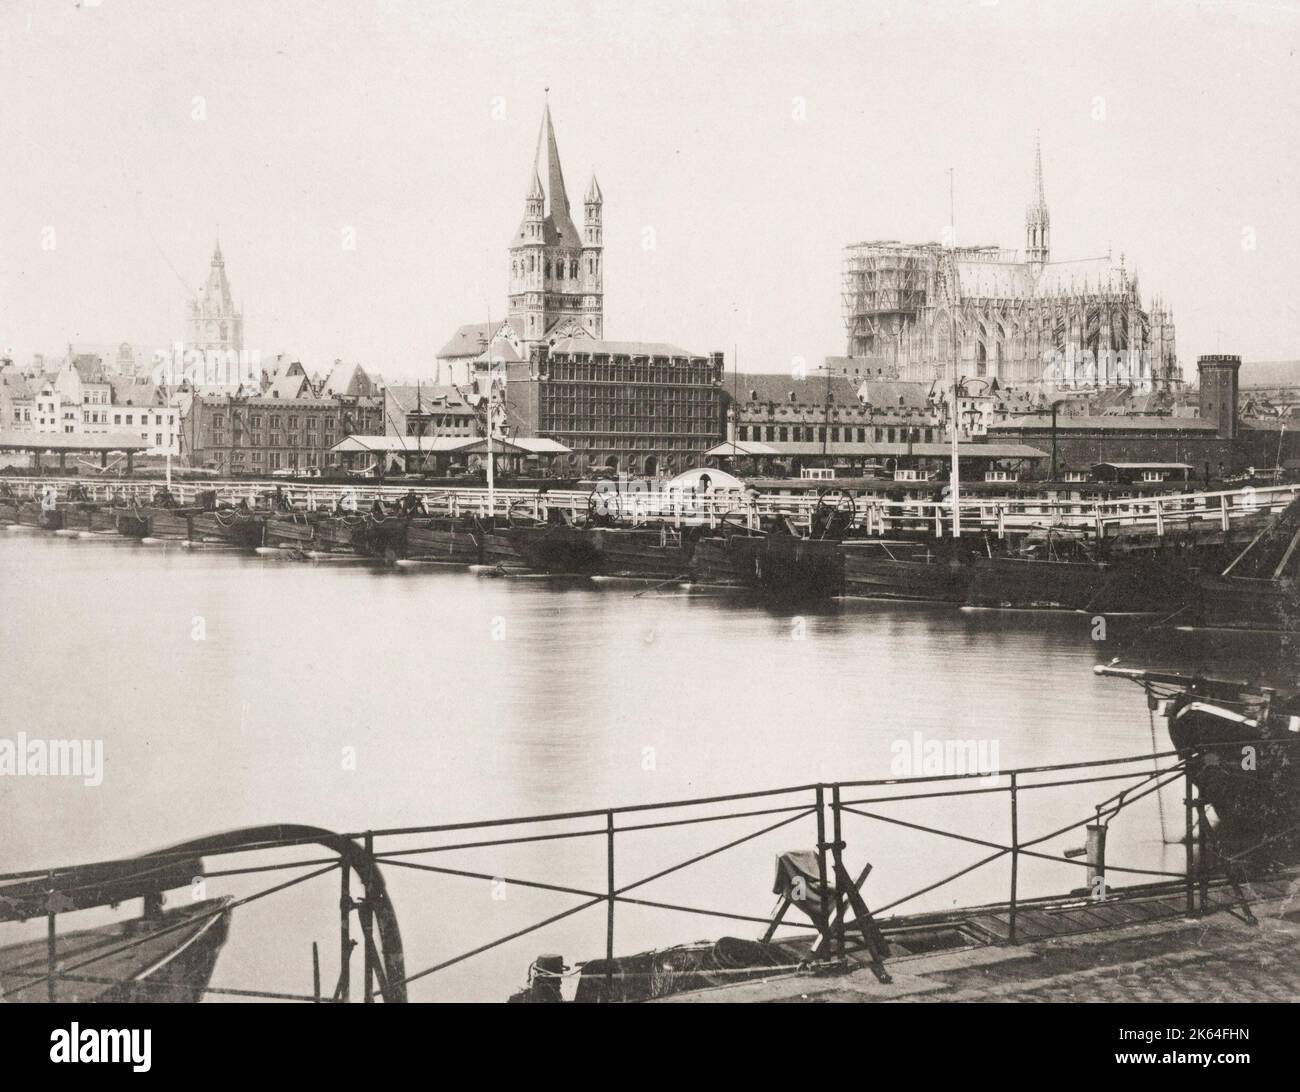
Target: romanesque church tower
<point>214,320</point>
<point>556,273</point>
<point>1038,222</point>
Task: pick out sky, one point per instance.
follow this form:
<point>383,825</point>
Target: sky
<point>739,147</point>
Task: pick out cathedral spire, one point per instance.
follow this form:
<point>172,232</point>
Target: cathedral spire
<point>546,167</point>
<point>1038,221</point>
<point>1038,171</point>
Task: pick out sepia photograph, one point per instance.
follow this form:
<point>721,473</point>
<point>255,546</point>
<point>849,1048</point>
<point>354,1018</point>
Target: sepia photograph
<point>683,502</point>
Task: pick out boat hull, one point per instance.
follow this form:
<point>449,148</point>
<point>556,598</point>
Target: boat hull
<point>556,549</point>
<point>169,523</point>
<point>904,570</point>
<point>235,528</point>
<point>643,553</point>
<point>449,540</point>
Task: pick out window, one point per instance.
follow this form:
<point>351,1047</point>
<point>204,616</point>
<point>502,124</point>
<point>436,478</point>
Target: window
<point>117,418</point>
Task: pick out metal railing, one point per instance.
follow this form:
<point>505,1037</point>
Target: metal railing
<point>820,812</point>
<point>1161,514</point>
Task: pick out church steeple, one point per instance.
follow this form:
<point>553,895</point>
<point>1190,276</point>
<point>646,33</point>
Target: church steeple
<point>554,269</point>
<point>1038,221</point>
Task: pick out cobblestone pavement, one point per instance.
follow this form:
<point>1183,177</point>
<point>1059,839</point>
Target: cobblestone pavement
<point>1262,967</point>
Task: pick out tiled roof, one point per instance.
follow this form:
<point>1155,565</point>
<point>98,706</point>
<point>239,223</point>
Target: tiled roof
<point>1109,422</point>
<point>592,347</point>
<point>432,399</point>
<point>786,389</point>
<point>129,392</point>
<point>469,340</point>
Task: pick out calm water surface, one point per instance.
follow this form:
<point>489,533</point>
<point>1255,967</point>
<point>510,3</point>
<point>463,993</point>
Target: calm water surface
<point>353,697</point>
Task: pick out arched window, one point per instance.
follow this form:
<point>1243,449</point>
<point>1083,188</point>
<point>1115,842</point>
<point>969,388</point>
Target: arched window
<point>548,267</point>
<point>573,269</point>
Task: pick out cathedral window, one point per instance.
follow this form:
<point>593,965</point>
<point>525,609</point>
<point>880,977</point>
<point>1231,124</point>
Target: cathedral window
<point>548,267</point>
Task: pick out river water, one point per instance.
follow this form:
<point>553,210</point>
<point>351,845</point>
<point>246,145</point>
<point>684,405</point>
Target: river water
<point>232,690</point>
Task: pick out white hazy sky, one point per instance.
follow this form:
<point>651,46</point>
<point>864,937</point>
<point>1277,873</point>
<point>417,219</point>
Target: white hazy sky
<point>1169,132</point>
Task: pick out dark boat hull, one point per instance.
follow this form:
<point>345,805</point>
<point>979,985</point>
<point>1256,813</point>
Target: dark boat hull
<point>904,570</point>
<point>169,523</point>
<point>235,528</point>
<point>335,534</point>
<point>449,540</point>
<point>643,553</point>
<point>556,549</point>
<point>32,514</point>
<point>382,537</point>
<point>726,560</point>
<point>1249,604</point>
<point>797,568</point>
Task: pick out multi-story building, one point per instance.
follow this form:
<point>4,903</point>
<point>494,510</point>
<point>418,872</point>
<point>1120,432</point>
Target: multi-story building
<point>828,409</point>
<point>637,408</point>
<point>240,434</point>
<point>909,309</point>
<point>428,412</point>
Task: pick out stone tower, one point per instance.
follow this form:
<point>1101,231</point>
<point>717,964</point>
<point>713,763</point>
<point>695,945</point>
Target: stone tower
<point>1218,392</point>
<point>1038,221</point>
<point>214,320</point>
<point>555,272</point>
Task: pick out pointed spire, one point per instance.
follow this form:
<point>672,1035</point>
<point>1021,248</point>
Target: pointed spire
<point>594,196</point>
<point>552,176</point>
<point>217,259</point>
<point>1038,171</point>
<point>535,191</point>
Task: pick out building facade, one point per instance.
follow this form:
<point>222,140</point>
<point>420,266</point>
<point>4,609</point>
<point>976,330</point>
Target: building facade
<point>236,434</point>
<point>642,409</point>
<point>213,321</point>
<point>909,309</point>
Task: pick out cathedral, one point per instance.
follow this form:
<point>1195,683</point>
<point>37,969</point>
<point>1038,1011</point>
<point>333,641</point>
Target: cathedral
<point>214,321</point>
<point>909,309</point>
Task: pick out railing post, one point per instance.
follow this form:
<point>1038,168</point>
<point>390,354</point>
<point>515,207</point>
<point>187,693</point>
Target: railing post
<point>1187,843</point>
<point>345,932</point>
<point>821,860</point>
<point>609,912</point>
<point>51,944</point>
<point>367,918</point>
<point>1015,860</point>
<point>839,839</point>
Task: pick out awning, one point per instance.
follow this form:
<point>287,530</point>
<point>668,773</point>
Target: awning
<point>741,448</point>
<point>17,440</point>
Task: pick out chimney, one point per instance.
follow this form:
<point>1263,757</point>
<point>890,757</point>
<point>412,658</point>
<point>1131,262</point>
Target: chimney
<point>1218,392</point>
